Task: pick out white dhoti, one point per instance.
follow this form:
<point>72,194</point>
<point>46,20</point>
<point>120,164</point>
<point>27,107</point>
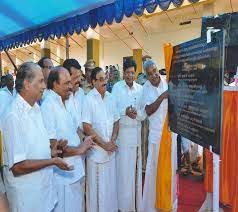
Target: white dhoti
<point>30,199</point>
<point>70,197</point>
<point>129,169</point>
<point>101,193</point>
<point>129,178</point>
<point>149,194</point>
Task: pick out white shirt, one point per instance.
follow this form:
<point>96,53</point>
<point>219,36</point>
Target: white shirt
<point>6,98</point>
<point>156,120</point>
<point>101,114</point>
<point>74,107</point>
<point>124,97</point>
<point>60,125</point>
<point>25,138</point>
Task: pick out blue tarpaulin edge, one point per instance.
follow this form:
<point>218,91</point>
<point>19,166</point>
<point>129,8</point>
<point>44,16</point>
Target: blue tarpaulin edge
<point>98,16</point>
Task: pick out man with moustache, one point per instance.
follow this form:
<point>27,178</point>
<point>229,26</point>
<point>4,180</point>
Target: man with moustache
<point>128,96</point>
<point>74,103</point>
<point>28,166</point>
<point>155,94</point>
<point>60,125</point>
<point>100,118</point>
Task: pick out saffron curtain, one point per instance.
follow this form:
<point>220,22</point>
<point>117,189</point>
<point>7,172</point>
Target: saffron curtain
<point>228,166</point>
<point>164,200</point>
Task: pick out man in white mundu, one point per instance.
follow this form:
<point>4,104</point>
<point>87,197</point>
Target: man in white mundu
<point>28,166</point>
<point>100,118</point>
<point>60,126</point>
<point>127,94</point>
<point>155,96</point>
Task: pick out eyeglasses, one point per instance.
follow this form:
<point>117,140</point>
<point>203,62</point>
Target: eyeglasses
<point>102,79</point>
<point>49,67</point>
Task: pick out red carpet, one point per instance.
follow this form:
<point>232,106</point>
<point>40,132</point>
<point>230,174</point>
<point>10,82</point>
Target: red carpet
<point>191,194</point>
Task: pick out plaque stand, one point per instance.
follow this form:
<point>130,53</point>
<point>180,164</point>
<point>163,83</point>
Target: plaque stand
<point>216,181</point>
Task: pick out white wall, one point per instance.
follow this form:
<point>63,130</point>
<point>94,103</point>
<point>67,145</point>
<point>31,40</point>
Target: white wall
<point>114,51</point>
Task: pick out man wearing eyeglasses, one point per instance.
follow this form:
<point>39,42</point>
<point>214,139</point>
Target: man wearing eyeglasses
<point>46,65</point>
<point>128,96</point>
<point>100,118</point>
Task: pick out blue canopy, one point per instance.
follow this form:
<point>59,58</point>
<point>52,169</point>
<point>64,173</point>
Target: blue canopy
<point>23,22</point>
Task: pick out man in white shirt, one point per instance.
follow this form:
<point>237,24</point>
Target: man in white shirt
<point>155,96</point>
<point>60,125</point>
<point>128,94</point>
<point>74,104</point>
<point>100,118</point>
<point>46,65</point>
<point>75,101</point>
<point>6,93</point>
<point>6,97</point>
<point>28,171</point>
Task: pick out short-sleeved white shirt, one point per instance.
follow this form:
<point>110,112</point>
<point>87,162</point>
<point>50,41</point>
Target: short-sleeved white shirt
<point>25,138</point>
<point>74,107</point>
<point>59,125</point>
<point>5,99</point>
<point>101,113</point>
<point>156,120</point>
<point>125,97</point>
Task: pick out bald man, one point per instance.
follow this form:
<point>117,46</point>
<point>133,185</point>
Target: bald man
<point>60,126</point>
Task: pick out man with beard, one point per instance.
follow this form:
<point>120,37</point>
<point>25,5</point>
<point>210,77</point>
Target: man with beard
<point>100,118</point>
<point>28,171</point>
<point>128,96</point>
<point>60,125</point>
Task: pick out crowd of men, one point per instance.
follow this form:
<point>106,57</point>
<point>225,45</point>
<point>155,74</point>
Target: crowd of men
<point>71,146</point>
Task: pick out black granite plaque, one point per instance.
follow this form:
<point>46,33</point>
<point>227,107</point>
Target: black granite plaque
<point>195,89</point>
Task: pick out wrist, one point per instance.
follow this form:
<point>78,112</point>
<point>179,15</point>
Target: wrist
<point>104,145</point>
<point>79,151</point>
<point>113,139</point>
<point>53,161</point>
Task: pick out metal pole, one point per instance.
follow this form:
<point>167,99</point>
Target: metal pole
<point>67,46</point>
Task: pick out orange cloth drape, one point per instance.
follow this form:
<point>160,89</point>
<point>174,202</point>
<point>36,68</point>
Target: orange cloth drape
<point>164,170</point>
<point>229,154</point>
<point>208,181</point>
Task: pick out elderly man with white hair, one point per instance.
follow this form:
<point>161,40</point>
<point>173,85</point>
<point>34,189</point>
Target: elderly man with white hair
<point>155,94</point>
<point>28,159</point>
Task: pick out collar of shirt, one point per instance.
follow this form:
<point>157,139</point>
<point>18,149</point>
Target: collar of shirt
<point>56,97</point>
<point>96,93</point>
<point>24,106</point>
<point>161,84</point>
<point>6,89</point>
<point>133,86</point>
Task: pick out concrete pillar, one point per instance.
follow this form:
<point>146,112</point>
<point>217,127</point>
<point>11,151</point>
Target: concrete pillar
<point>93,50</point>
<point>137,55</point>
<point>45,49</point>
<point>208,9</point>
<point>60,54</point>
